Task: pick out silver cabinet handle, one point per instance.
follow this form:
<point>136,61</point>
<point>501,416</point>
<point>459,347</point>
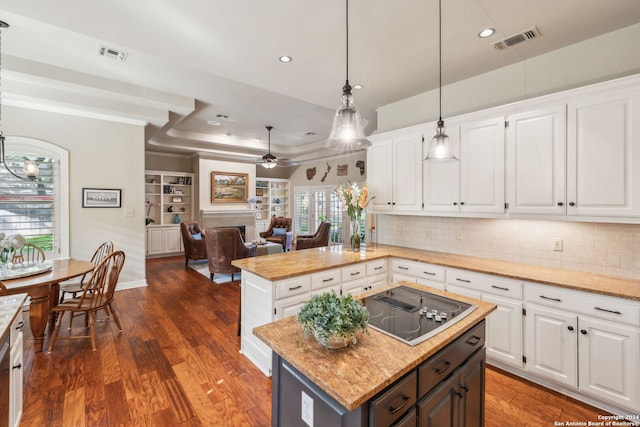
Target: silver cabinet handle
<point>608,311</point>
<point>327,280</point>
<point>551,299</point>
<point>355,274</point>
<point>499,287</point>
<point>402,268</point>
<point>429,273</point>
<point>463,280</point>
<point>295,287</point>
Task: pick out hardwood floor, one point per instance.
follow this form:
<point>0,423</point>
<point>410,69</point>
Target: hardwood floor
<point>177,364</point>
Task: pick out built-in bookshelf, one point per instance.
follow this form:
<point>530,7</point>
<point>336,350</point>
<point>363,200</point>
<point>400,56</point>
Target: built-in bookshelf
<point>272,198</point>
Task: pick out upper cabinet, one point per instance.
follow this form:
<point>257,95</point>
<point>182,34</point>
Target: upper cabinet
<point>441,179</point>
<point>395,162</point>
<point>536,146</point>
<point>603,154</point>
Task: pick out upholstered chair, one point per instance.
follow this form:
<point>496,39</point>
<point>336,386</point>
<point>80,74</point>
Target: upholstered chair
<point>277,231</point>
<point>317,240</point>
<point>193,241</point>
<point>223,246</point>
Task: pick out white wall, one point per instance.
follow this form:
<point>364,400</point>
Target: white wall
<point>299,176</point>
<point>101,155</point>
<point>608,249</point>
<point>602,58</point>
<point>203,174</point>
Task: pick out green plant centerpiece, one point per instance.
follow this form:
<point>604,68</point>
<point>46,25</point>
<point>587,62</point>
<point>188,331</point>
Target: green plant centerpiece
<point>333,320</point>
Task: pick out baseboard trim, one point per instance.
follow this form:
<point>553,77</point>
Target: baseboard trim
<point>132,285</point>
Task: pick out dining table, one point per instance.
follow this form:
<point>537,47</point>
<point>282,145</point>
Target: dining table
<point>42,283</point>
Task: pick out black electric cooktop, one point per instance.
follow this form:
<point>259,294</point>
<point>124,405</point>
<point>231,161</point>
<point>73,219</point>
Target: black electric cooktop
<point>413,316</point>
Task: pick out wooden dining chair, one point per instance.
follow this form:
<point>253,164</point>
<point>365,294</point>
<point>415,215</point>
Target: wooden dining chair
<point>74,287</point>
<point>28,254</point>
<point>96,295</point>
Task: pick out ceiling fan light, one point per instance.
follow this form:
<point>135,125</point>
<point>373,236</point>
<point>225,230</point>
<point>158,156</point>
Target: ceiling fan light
<point>440,149</point>
<point>269,164</point>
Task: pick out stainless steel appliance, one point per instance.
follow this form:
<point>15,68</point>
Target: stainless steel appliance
<point>412,315</point>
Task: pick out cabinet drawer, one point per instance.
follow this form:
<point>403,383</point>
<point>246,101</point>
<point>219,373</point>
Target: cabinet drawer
<point>17,328</point>
<point>437,368</point>
<point>409,420</point>
<point>325,278</point>
<point>486,283</point>
<point>419,270</point>
<point>600,306</point>
<point>335,289</point>
<point>377,267</point>
<point>353,272</point>
<point>290,287</point>
<point>389,406</point>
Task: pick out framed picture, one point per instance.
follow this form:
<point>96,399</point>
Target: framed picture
<point>176,200</point>
<point>101,198</point>
<point>259,192</point>
<point>228,187</point>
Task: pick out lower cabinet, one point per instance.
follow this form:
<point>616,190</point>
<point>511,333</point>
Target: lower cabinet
<point>164,240</point>
<point>16,371</point>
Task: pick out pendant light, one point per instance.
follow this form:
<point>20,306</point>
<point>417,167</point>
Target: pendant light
<point>30,169</point>
<point>439,149</point>
<point>269,161</point>
<point>347,133</point>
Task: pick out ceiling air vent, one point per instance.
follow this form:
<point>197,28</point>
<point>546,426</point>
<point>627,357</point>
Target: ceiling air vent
<point>112,53</point>
<point>530,34</point>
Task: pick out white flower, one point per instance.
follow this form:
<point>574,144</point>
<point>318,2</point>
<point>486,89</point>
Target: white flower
<point>11,243</point>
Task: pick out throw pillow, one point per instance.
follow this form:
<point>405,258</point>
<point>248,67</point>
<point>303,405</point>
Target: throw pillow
<point>279,231</point>
<point>197,236</point>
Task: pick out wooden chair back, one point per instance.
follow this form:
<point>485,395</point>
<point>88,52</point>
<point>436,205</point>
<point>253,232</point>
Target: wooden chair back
<point>98,290</point>
<point>104,250</point>
<point>28,254</point>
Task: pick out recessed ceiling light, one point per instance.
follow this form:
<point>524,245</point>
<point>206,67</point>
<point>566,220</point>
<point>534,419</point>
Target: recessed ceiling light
<point>487,32</point>
<point>358,87</point>
<point>213,123</point>
<point>285,59</point>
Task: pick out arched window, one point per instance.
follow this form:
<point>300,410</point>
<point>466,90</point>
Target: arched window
<point>39,209</point>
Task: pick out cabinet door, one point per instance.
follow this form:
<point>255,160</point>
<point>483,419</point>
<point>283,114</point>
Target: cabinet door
<point>603,155</point>
<point>380,182</point>
<point>504,331</point>
<point>440,408</point>
<point>441,179</point>
<point>608,361</point>
<point>482,166</point>
<point>289,306</point>
<point>172,239</point>
<point>536,145</point>
<point>15,383</point>
<point>407,172</point>
<point>552,344</point>
<point>472,377</point>
<point>155,241</point>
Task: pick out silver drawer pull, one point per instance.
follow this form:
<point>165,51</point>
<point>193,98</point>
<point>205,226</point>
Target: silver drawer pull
<point>402,268</point>
<point>378,268</point>
<point>551,299</point>
<point>429,273</point>
<point>355,274</point>
<point>608,311</point>
<point>295,287</point>
<point>463,280</point>
<point>327,280</point>
<point>499,287</point>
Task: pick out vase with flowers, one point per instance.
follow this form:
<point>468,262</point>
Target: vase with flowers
<point>355,199</point>
<point>8,246</point>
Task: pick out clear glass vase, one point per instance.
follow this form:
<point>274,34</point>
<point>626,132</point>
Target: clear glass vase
<point>4,262</point>
<point>355,235</point>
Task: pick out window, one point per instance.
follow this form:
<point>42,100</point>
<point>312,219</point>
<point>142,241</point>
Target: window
<point>35,209</point>
<point>312,205</point>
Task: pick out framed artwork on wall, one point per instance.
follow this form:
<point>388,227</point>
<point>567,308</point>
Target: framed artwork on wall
<point>101,198</point>
<point>228,187</point>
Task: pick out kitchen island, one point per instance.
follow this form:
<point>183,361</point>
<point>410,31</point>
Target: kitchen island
<point>347,383</point>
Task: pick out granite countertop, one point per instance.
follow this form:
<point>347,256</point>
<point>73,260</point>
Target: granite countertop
<point>355,374</point>
<point>296,263</point>
<point>10,306</point>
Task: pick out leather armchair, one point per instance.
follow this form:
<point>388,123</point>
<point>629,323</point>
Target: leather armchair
<point>193,248</point>
<point>223,246</point>
<point>279,222</point>
<point>317,240</point>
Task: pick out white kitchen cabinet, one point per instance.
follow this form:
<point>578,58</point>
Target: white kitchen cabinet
<point>603,154</point>
<point>16,374</point>
<point>586,341</point>
<point>164,240</point>
<point>551,344</point>
<point>535,161</point>
<point>396,158</point>
<point>504,326</point>
<point>418,272</point>
<point>482,166</point>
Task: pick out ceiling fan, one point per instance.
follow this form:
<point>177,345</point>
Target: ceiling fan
<point>270,161</point>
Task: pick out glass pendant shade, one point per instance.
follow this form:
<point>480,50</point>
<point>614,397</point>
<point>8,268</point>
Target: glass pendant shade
<point>440,149</point>
<point>347,132</point>
<point>31,169</point>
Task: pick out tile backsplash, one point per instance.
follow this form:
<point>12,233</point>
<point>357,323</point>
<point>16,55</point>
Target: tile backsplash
<point>607,249</point>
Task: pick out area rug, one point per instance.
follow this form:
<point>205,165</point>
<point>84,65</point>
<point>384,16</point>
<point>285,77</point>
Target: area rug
<point>202,267</point>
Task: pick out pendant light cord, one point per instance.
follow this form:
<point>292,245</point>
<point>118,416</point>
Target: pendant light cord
<point>440,58</point>
<point>347,50</point>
